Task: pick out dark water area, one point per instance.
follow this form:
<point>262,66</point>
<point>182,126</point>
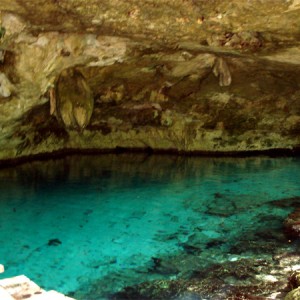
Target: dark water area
<point>88,226</point>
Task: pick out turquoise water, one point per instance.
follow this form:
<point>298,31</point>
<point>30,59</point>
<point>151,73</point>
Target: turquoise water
<point>95,224</point>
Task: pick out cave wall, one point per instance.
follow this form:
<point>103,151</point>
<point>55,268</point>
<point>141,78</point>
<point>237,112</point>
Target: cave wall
<point>180,75</point>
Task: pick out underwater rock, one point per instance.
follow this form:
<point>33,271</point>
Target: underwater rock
<point>195,243</point>
<point>294,284</point>
<point>73,103</point>
<point>255,247</point>
<point>292,225</point>
<point>190,249</point>
<point>54,242</point>
<point>294,280</point>
<point>188,296</point>
<point>222,206</point>
<point>230,280</point>
<point>287,202</point>
<point>161,266</point>
<point>5,86</point>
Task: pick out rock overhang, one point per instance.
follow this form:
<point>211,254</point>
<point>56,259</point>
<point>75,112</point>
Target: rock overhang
<point>186,75</point>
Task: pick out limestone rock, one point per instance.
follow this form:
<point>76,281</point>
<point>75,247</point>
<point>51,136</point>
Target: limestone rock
<point>294,5</point>
<point>5,86</point>
<point>244,40</point>
<point>12,23</point>
<point>74,100</point>
<point>2,54</point>
<point>196,65</point>
<point>21,287</point>
<point>221,71</point>
<point>135,53</point>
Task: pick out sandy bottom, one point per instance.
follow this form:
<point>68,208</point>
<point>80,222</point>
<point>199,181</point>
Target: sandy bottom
<point>107,220</point>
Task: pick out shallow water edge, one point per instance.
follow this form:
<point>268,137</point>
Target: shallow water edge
<point>276,152</point>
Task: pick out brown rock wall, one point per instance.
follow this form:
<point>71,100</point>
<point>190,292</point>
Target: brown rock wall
<point>175,75</point>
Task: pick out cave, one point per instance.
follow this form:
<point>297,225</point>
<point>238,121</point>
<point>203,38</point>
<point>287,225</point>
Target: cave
<point>165,91</point>
<point>174,76</point>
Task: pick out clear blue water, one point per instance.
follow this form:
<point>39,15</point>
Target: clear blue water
<point>84,221</point>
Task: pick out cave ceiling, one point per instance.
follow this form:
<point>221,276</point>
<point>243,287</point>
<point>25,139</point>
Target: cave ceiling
<point>183,75</point>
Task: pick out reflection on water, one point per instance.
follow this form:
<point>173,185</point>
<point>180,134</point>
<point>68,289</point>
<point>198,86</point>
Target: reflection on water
<point>91,225</point>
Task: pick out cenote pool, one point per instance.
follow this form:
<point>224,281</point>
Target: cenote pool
<point>88,226</point>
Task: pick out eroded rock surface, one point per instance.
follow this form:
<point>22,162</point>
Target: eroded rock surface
<point>216,76</point>
<point>73,100</point>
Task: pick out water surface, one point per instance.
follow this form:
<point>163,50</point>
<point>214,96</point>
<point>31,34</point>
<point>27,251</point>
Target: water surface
<point>94,224</point>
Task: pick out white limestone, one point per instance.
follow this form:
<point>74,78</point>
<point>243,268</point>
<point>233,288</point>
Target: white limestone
<point>21,287</point>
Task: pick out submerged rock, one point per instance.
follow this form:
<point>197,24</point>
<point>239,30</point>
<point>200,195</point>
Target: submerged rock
<point>294,283</point>
<point>239,278</point>
<point>294,279</point>
<point>230,280</point>
<point>292,225</point>
<point>54,242</point>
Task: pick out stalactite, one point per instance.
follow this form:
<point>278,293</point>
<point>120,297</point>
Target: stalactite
<point>73,101</point>
<point>222,71</point>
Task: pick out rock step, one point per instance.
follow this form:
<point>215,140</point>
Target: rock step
<point>21,287</point>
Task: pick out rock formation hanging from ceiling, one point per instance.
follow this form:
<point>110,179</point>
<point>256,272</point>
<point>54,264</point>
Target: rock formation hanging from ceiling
<point>185,75</point>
